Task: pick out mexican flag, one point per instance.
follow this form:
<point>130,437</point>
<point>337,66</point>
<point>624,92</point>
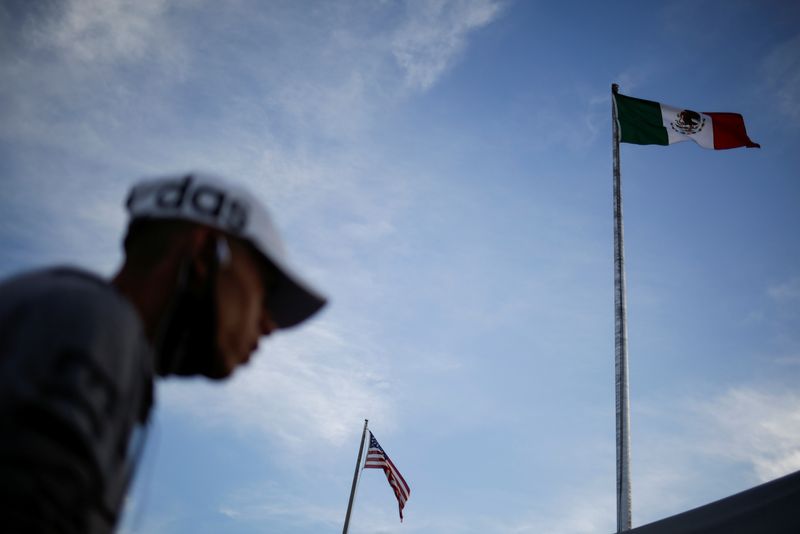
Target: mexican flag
<point>644,122</point>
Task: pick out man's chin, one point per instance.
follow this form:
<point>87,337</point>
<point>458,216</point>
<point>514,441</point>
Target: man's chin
<point>221,369</point>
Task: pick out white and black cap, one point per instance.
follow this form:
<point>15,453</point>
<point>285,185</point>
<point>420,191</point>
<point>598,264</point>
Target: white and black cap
<point>212,201</point>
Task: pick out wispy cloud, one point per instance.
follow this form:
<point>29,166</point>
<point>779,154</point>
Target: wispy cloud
<point>756,427</point>
<point>692,450</point>
<point>269,501</point>
<point>787,291</point>
<point>123,89</point>
<point>585,511</point>
<point>782,73</point>
<point>433,35</point>
<point>299,392</point>
<point>791,360</point>
<point>108,31</point>
<point>575,129</point>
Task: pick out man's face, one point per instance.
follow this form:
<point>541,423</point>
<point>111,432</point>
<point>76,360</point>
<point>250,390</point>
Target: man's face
<point>242,311</point>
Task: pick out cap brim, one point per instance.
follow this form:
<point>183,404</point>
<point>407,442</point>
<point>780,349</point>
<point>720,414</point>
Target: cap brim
<point>292,300</point>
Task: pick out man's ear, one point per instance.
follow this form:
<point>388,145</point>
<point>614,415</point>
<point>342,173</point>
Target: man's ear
<point>201,245</point>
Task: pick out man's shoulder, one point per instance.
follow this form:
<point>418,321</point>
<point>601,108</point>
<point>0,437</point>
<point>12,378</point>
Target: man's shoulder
<point>68,303</point>
<point>68,289</point>
<point>59,275</point>
<point>65,312</point>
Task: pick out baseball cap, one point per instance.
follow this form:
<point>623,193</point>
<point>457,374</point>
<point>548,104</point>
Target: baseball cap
<point>213,201</point>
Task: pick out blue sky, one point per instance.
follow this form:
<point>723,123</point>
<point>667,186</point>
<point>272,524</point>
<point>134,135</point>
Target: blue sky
<point>442,169</point>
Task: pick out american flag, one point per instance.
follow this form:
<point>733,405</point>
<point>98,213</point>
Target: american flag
<point>378,459</point>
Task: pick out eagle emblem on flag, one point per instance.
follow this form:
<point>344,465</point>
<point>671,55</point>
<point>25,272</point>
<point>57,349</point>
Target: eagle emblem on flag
<point>688,122</point>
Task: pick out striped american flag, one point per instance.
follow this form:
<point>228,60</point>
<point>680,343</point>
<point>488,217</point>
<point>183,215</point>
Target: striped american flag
<point>378,459</point>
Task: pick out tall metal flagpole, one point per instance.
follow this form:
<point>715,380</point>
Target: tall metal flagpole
<point>355,479</point>
<point>620,343</point>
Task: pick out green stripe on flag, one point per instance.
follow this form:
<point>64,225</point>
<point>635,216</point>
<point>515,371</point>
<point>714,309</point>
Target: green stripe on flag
<point>640,121</point>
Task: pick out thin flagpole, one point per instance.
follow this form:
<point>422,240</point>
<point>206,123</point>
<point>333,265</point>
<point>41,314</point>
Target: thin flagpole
<point>620,343</point>
<point>355,479</point>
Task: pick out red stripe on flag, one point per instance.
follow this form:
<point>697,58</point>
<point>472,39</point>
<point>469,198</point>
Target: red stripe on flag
<point>378,459</point>
<point>399,476</point>
<point>729,131</point>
